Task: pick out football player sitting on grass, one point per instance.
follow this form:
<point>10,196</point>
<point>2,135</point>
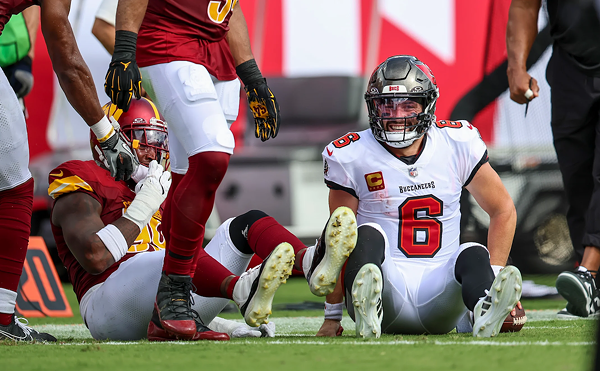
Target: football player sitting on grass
<point>110,239</point>
<point>403,178</point>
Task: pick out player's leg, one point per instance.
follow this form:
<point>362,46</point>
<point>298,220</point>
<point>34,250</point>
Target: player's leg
<point>233,245</point>
<point>16,202</point>
<point>323,262</point>
<point>185,94</point>
<point>121,308</point>
<point>363,280</point>
<point>178,166</point>
<point>491,299</point>
<point>576,138</point>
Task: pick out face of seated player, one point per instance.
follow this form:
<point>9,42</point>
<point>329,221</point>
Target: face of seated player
<point>402,112</point>
<point>145,154</point>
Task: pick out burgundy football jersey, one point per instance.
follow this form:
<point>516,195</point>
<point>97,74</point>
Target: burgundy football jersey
<point>114,197</point>
<point>187,30</point>
<point>10,7</point>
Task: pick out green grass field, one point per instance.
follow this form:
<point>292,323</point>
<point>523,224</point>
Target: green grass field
<point>544,344</point>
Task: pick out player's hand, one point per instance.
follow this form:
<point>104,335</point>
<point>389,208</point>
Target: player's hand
<point>330,328</point>
<point>245,331</point>
<point>20,77</point>
<point>156,183</point>
<point>265,110</point>
<point>519,84</point>
<point>514,311</point>
<point>150,194</point>
<point>121,160</point>
<point>123,79</point>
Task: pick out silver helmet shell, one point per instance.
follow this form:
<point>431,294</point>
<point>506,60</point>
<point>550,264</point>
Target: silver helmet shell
<point>400,78</point>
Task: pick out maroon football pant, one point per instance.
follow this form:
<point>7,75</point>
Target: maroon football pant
<point>16,206</point>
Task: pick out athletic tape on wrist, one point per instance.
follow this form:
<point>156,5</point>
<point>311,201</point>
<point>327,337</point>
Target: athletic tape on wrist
<point>497,269</point>
<point>249,72</point>
<point>103,129</point>
<point>144,205</point>
<point>114,241</point>
<point>333,311</point>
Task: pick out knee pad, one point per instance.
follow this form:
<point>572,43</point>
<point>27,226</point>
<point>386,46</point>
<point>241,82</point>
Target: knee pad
<point>250,217</point>
<point>475,257</point>
<point>243,223</point>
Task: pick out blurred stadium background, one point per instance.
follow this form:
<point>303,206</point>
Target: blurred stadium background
<point>317,55</point>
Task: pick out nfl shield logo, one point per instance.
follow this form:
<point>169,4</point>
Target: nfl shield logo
<point>413,172</point>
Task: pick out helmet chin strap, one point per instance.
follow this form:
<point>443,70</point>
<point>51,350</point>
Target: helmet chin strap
<point>402,144</point>
<point>399,143</point>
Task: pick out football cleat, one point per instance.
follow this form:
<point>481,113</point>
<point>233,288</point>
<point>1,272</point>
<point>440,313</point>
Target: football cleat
<point>366,299</point>
<point>255,289</point>
<point>173,306</point>
<point>579,289</point>
<point>331,251</point>
<point>18,330</point>
<point>491,310</point>
<point>157,333</point>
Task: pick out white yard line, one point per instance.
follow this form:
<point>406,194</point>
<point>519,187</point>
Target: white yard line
<point>306,327</point>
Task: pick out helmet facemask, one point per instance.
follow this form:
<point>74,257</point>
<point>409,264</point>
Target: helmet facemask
<point>401,131</point>
<point>153,137</point>
<point>395,83</point>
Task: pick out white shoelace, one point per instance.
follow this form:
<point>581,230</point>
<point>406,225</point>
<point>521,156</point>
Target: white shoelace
<point>22,324</point>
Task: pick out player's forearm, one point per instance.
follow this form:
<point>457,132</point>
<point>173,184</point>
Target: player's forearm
<point>337,296</point>
<point>130,14</point>
<point>73,75</point>
<point>521,31</point>
<point>76,82</point>
<point>105,33</point>
<point>500,235</point>
<point>96,256</point>
<point>32,21</point>
<point>238,38</point>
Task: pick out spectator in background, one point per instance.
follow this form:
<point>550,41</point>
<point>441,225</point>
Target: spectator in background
<point>573,73</point>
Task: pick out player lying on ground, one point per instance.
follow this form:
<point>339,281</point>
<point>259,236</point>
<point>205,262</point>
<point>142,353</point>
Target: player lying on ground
<point>403,179</point>
<point>110,239</point>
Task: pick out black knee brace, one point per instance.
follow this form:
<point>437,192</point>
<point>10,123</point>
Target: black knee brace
<point>239,227</point>
<point>370,248</point>
<point>474,272</point>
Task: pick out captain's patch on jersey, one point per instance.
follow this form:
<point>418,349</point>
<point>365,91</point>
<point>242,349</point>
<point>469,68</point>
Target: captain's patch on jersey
<point>375,181</point>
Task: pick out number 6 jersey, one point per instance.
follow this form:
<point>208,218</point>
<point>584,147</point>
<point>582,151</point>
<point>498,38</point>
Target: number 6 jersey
<point>416,201</point>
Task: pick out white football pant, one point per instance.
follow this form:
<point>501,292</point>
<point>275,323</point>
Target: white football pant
<point>121,307</point>
<point>14,148</point>
<point>198,108</point>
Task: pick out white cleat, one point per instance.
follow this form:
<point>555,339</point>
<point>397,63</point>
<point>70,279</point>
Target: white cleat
<point>331,252</point>
<point>255,289</point>
<point>366,299</point>
<point>490,311</point>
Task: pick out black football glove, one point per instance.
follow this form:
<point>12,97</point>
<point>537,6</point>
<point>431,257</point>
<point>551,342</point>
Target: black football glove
<point>20,77</point>
<point>263,104</point>
<point>123,79</point>
<point>121,160</point>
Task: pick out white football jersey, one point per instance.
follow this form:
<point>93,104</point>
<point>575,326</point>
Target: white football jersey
<point>417,205</point>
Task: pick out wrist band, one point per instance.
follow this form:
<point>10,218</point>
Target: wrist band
<point>125,42</point>
<point>249,72</point>
<point>103,129</point>
<point>333,311</point>
<point>114,241</point>
<point>497,269</point>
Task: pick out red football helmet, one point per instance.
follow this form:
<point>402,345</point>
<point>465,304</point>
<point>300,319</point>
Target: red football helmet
<point>141,125</point>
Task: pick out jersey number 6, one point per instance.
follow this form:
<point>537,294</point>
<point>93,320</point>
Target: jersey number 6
<point>419,232</point>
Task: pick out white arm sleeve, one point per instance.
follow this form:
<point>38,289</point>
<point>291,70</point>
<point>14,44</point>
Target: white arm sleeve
<point>107,11</point>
